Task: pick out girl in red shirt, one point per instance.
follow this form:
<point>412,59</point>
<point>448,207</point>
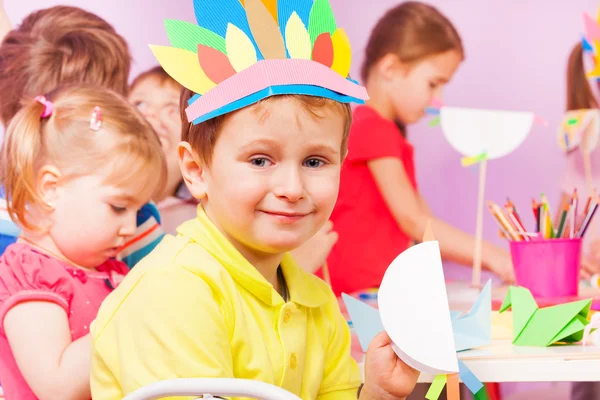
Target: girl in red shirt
<point>412,53</point>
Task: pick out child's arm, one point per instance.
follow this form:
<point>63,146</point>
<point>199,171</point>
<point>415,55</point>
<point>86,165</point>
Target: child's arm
<point>53,366</point>
<point>407,208</point>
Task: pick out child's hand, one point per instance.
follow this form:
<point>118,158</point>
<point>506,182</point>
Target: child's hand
<point>386,376</point>
<point>313,253</point>
<point>499,262</point>
<point>589,267</point>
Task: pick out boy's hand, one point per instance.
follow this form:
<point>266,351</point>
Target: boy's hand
<point>499,262</point>
<point>386,376</point>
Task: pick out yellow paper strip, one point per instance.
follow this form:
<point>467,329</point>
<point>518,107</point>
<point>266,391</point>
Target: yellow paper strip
<point>436,387</point>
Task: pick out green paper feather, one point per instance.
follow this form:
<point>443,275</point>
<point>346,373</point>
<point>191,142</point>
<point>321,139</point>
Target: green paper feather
<point>321,20</point>
<point>188,36</point>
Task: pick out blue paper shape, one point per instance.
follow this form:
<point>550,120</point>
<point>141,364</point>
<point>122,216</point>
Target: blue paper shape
<point>308,90</point>
<point>587,47</point>
<point>474,328</point>
<point>469,379</point>
<point>215,15</point>
<point>432,111</point>
<point>365,319</point>
<point>285,8</point>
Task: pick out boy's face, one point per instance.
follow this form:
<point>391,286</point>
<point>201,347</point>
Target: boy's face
<point>274,175</point>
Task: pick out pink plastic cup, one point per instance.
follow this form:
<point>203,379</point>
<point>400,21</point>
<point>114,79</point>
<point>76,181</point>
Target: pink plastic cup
<point>548,268</point>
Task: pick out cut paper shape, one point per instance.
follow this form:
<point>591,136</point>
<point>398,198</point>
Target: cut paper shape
<point>474,131</point>
<point>592,30</point>
<point>274,91</point>
<point>210,15</point>
<point>543,327</point>
<point>469,161</point>
<point>577,127</point>
<point>183,66</point>
<point>452,388</point>
<point>323,50</point>
<point>469,379</point>
<point>593,325</point>
<point>187,36</point>
<point>436,387</point>
<point>474,329</point>
<point>416,277</point>
<point>240,50</point>
<point>269,73</point>
<point>281,29</point>
<point>297,39</point>
<point>365,320</point>
<point>285,9</point>
<point>265,30</point>
<point>321,20</point>
<point>215,64</point>
<point>342,54</point>
<point>586,46</point>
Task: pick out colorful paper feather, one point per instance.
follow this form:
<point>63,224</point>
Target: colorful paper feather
<point>342,54</point>
<point>323,50</point>
<point>215,64</point>
<point>184,35</point>
<point>321,20</point>
<point>183,66</point>
<point>265,30</point>
<point>297,39</point>
<point>240,50</point>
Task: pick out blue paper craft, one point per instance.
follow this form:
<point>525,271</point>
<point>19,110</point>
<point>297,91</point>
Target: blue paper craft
<point>587,47</point>
<point>277,90</point>
<point>469,379</point>
<point>365,319</point>
<point>474,328</point>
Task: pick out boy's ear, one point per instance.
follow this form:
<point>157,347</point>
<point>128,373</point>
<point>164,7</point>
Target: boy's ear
<point>192,170</point>
<point>48,185</point>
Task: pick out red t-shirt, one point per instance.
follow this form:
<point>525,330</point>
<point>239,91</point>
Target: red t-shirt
<point>369,236</point>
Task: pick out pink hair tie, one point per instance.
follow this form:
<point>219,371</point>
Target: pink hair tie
<point>48,106</point>
<point>96,120</point>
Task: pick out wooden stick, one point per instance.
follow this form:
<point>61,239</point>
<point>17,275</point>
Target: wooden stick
<point>452,387</point>
<point>326,276</point>
<point>587,167</point>
<point>476,281</point>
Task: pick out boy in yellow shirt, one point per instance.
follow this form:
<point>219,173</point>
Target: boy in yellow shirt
<point>263,153</point>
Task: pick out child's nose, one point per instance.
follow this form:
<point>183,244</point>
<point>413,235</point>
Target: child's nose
<point>289,184</point>
<point>129,225</point>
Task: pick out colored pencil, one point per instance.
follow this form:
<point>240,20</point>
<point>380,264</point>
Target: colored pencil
<point>588,218</point>
<point>563,218</point>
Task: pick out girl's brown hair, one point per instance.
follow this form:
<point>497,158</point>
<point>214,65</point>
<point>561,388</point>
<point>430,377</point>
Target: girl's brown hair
<point>412,31</point>
<point>60,46</point>
<point>125,144</point>
<point>579,91</point>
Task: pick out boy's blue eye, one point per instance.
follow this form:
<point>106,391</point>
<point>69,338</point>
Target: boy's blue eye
<point>314,163</point>
<point>260,162</point>
<point>117,209</point>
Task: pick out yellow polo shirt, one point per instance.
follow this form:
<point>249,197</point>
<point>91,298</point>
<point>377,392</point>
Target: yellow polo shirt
<point>195,307</point>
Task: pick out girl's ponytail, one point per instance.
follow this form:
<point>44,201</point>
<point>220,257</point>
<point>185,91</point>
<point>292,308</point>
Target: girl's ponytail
<point>21,150</point>
<point>579,91</point>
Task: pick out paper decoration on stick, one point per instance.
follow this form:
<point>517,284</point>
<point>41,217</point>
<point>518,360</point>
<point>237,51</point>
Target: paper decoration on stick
<point>533,326</point>
<point>242,52</point>
<point>481,135</point>
<point>416,277</point>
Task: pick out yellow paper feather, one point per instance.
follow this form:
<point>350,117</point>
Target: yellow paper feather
<point>184,67</point>
<point>265,31</point>
<point>240,50</point>
<point>342,53</point>
<point>297,38</point>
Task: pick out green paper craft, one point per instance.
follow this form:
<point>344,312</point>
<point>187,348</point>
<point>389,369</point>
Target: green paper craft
<point>543,327</point>
<point>436,387</point>
<point>184,35</point>
<point>321,20</point>
<point>434,122</point>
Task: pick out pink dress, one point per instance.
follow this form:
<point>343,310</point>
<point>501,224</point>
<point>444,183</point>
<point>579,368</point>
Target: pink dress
<point>29,275</point>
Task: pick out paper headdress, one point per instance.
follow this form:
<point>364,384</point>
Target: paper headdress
<point>591,43</point>
<point>243,51</point>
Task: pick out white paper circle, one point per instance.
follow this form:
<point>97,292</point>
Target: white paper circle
<point>414,310</point>
<point>474,131</point>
